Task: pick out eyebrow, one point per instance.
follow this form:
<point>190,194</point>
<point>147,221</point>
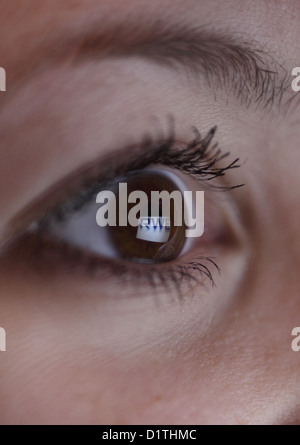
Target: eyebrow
<point>224,61</point>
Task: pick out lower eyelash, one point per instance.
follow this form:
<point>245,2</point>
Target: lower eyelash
<point>47,254</point>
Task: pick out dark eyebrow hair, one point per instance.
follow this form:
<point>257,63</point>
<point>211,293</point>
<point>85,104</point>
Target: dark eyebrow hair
<point>225,61</point>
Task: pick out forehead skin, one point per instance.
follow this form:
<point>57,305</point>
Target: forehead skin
<point>28,27</point>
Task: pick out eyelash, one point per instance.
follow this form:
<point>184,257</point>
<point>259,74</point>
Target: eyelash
<point>199,159</point>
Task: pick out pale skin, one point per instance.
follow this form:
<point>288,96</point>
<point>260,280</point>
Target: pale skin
<point>94,351</point>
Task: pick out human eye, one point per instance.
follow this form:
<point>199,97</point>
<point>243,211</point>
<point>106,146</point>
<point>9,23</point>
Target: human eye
<point>150,253</point>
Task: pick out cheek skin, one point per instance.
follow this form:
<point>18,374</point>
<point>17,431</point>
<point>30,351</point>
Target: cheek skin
<point>83,380</point>
<point>86,375</point>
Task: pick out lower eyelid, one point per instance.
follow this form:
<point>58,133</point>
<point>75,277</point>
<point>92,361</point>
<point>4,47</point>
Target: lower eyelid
<point>48,259</point>
<point>54,258</point>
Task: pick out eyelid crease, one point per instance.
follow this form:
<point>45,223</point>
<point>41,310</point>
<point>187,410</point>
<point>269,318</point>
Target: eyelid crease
<point>199,158</point>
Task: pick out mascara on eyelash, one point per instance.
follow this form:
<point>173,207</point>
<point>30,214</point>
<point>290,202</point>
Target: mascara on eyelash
<point>199,158</point>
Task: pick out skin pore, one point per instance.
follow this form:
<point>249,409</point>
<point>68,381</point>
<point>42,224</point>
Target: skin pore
<point>85,82</point>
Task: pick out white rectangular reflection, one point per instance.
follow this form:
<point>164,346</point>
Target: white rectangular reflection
<point>155,229</point>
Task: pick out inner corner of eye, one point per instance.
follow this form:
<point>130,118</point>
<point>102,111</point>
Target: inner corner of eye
<point>148,216</point>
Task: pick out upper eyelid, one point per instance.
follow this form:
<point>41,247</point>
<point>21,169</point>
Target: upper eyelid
<point>105,167</point>
<point>160,155</point>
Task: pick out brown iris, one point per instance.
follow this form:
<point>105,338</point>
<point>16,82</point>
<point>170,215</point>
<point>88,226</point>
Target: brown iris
<point>152,241</point>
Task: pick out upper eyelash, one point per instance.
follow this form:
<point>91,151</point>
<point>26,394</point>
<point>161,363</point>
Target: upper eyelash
<point>199,158</point>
